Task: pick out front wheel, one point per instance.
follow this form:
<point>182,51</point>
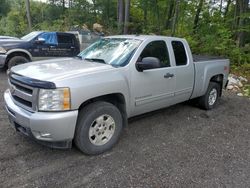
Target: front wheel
<point>98,128</point>
<point>209,100</point>
<point>17,60</point>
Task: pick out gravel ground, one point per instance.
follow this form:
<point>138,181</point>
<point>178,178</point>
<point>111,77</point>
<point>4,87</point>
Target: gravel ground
<point>181,146</point>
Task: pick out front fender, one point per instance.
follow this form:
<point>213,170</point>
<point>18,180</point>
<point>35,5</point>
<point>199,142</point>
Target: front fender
<point>20,50</point>
<point>86,87</point>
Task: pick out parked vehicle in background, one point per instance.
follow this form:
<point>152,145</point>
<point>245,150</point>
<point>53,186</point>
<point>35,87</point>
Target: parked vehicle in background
<point>37,45</point>
<point>88,99</point>
<point>86,38</point>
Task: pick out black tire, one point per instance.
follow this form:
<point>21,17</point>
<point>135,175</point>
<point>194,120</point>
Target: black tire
<point>86,117</point>
<point>204,100</point>
<point>17,60</point>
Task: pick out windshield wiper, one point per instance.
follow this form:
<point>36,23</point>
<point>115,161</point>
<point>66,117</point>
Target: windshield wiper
<point>96,60</point>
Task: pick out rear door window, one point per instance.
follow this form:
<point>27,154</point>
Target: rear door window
<point>179,53</point>
<point>64,39</point>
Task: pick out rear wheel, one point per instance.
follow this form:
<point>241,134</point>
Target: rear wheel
<point>209,100</point>
<point>98,128</point>
<point>17,60</point>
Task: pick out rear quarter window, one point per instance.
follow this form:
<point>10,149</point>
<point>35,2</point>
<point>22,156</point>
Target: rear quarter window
<point>179,53</point>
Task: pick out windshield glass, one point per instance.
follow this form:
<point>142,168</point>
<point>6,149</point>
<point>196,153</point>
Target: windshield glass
<point>31,35</point>
<point>113,51</point>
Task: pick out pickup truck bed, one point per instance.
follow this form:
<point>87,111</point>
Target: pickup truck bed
<point>205,67</point>
<point>198,58</point>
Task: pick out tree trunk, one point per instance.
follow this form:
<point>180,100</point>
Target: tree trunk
<point>157,16</point>
<point>243,6</point>
<point>28,15</point>
<point>127,15</point>
<point>169,14</point>
<point>70,3</point>
<point>108,11</point>
<point>94,7</point>
<point>236,16</point>
<point>197,15</point>
<point>175,18</point>
<point>145,14</point>
<point>63,5</point>
<point>227,7</point>
<point>120,15</point>
<point>221,2</point>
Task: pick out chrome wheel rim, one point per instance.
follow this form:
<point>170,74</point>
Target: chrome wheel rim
<point>101,130</point>
<point>212,97</point>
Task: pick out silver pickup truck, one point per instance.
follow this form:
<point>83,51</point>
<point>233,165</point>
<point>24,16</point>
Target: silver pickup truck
<point>88,99</point>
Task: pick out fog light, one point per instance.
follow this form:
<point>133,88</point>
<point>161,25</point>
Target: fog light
<point>45,135</point>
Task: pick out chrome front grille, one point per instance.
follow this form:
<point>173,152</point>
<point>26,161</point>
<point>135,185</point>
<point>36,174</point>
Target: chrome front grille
<point>23,95</point>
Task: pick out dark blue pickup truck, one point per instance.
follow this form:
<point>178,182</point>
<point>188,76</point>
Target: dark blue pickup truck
<point>37,45</point>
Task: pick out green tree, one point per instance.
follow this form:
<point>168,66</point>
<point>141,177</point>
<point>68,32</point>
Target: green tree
<point>4,7</point>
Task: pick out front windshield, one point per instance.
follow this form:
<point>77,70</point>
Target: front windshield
<point>113,51</point>
<point>31,35</point>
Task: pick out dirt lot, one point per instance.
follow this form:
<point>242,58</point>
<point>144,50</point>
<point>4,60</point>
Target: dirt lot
<point>181,146</point>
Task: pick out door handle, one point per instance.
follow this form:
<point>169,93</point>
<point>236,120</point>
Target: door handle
<point>72,47</point>
<point>52,46</point>
<point>168,75</point>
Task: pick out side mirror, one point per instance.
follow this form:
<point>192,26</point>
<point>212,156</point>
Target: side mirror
<point>40,40</point>
<point>148,63</point>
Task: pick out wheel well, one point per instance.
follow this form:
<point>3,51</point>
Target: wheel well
<point>13,54</point>
<point>218,79</point>
<point>117,99</point>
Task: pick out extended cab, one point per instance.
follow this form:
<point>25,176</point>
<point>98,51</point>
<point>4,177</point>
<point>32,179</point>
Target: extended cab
<point>37,45</point>
<point>89,98</point>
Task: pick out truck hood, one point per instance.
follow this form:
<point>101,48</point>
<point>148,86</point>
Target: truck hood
<point>11,42</point>
<point>7,37</point>
<point>59,69</point>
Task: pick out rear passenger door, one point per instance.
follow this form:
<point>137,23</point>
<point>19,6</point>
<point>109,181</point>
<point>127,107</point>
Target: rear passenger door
<point>184,70</point>
<point>154,88</point>
<point>66,45</point>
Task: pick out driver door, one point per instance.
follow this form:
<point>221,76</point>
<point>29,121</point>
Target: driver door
<point>153,88</point>
<point>45,46</point>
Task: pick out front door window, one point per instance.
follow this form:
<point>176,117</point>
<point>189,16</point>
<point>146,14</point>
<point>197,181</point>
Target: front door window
<point>157,49</point>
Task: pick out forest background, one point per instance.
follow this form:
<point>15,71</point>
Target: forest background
<point>214,27</point>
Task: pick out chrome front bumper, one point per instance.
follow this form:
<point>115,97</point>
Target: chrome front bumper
<point>43,126</point>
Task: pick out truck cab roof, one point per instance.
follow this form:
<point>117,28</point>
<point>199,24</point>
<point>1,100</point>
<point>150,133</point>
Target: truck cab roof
<point>144,37</point>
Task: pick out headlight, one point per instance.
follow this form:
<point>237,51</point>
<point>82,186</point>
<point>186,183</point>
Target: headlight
<point>2,50</point>
<point>54,99</point>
